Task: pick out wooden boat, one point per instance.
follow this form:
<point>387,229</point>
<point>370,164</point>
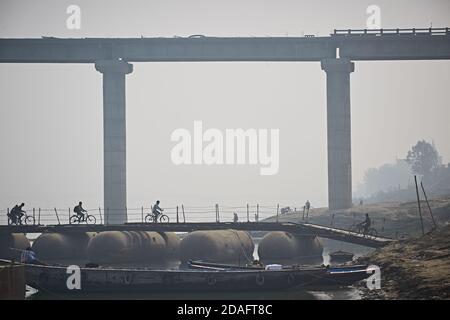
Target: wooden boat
<point>202,265</point>
<point>341,256</point>
<point>55,278</point>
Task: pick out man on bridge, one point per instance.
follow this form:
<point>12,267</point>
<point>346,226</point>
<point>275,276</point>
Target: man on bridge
<point>80,211</point>
<point>157,211</point>
<point>366,224</point>
<point>17,213</point>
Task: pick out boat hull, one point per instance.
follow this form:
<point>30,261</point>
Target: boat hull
<point>55,279</point>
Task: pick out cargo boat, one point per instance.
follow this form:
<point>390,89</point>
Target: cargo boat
<point>108,279</point>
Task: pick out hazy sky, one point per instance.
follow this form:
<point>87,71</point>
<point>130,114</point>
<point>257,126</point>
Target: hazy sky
<point>51,115</point>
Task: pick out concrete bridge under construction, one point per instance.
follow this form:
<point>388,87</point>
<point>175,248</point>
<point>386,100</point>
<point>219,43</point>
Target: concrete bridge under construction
<point>300,229</point>
<point>336,53</point>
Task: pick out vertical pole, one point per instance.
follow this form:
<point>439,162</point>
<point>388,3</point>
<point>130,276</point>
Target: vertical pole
<point>257,212</point>
<point>428,204</point>
<point>278,209</point>
<point>177,216</point>
<point>39,217</point>
<point>34,215</point>
<point>248,214</point>
<point>184,217</point>
<point>218,213</point>
<point>69,215</point>
<point>100,214</point>
<point>57,217</point>
<point>418,203</point>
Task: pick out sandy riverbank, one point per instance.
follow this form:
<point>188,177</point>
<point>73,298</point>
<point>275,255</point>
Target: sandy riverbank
<point>417,268</point>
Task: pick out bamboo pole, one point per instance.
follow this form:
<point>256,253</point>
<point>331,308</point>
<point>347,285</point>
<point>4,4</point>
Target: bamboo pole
<point>278,209</point>
<point>57,217</point>
<point>428,204</point>
<point>418,203</point>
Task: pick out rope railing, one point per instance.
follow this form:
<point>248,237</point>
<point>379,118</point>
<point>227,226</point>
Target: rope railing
<point>397,31</point>
<point>174,213</point>
<point>180,213</point>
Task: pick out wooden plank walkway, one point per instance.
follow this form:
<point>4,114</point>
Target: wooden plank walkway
<point>303,229</point>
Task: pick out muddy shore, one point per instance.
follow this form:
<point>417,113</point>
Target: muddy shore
<point>417,268</point>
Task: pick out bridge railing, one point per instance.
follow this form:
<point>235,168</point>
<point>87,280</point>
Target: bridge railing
<point>175,213</point>
<point>392,32</point>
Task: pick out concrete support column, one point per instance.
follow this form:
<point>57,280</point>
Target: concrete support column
<point>339,132</point>
<point>114,139</point>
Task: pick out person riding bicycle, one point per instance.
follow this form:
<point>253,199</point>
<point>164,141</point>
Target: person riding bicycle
<point>366,224</point>
<point>80,211</point>
<point>17,213</point>
<point>157,211</point>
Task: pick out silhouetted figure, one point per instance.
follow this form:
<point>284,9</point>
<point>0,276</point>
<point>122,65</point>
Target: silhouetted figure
<point>307,206</point>
<point>235,217</point>
<point>17,213</point>
<point>366,224</point>
<point>157,211</point>
<point>80,211</point>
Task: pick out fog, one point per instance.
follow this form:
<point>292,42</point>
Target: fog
<point>51,114</point>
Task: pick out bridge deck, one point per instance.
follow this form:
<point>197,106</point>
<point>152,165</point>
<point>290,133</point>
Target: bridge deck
<point>304,229</point>
<point>414,45</point>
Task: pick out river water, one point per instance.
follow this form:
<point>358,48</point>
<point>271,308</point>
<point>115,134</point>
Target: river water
<point>342,293</point>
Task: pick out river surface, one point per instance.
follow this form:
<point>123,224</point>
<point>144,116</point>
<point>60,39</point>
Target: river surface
<point>343,293</point>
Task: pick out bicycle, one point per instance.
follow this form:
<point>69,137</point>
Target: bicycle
<point>154,218</point>
<point>18,221</point>
<point>359,228</point>
<point>89,219</point>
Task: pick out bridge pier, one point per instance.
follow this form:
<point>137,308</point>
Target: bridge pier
<point>114,138</point>
<point>339,132</point>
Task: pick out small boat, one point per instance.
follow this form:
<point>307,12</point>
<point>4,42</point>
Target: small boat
<point>108,279</point>
<point>202,265</point>
<point>341,256</point>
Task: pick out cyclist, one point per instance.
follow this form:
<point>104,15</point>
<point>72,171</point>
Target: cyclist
<point>157,211</point>
<point>80,211</point>
<point>17,213</point>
